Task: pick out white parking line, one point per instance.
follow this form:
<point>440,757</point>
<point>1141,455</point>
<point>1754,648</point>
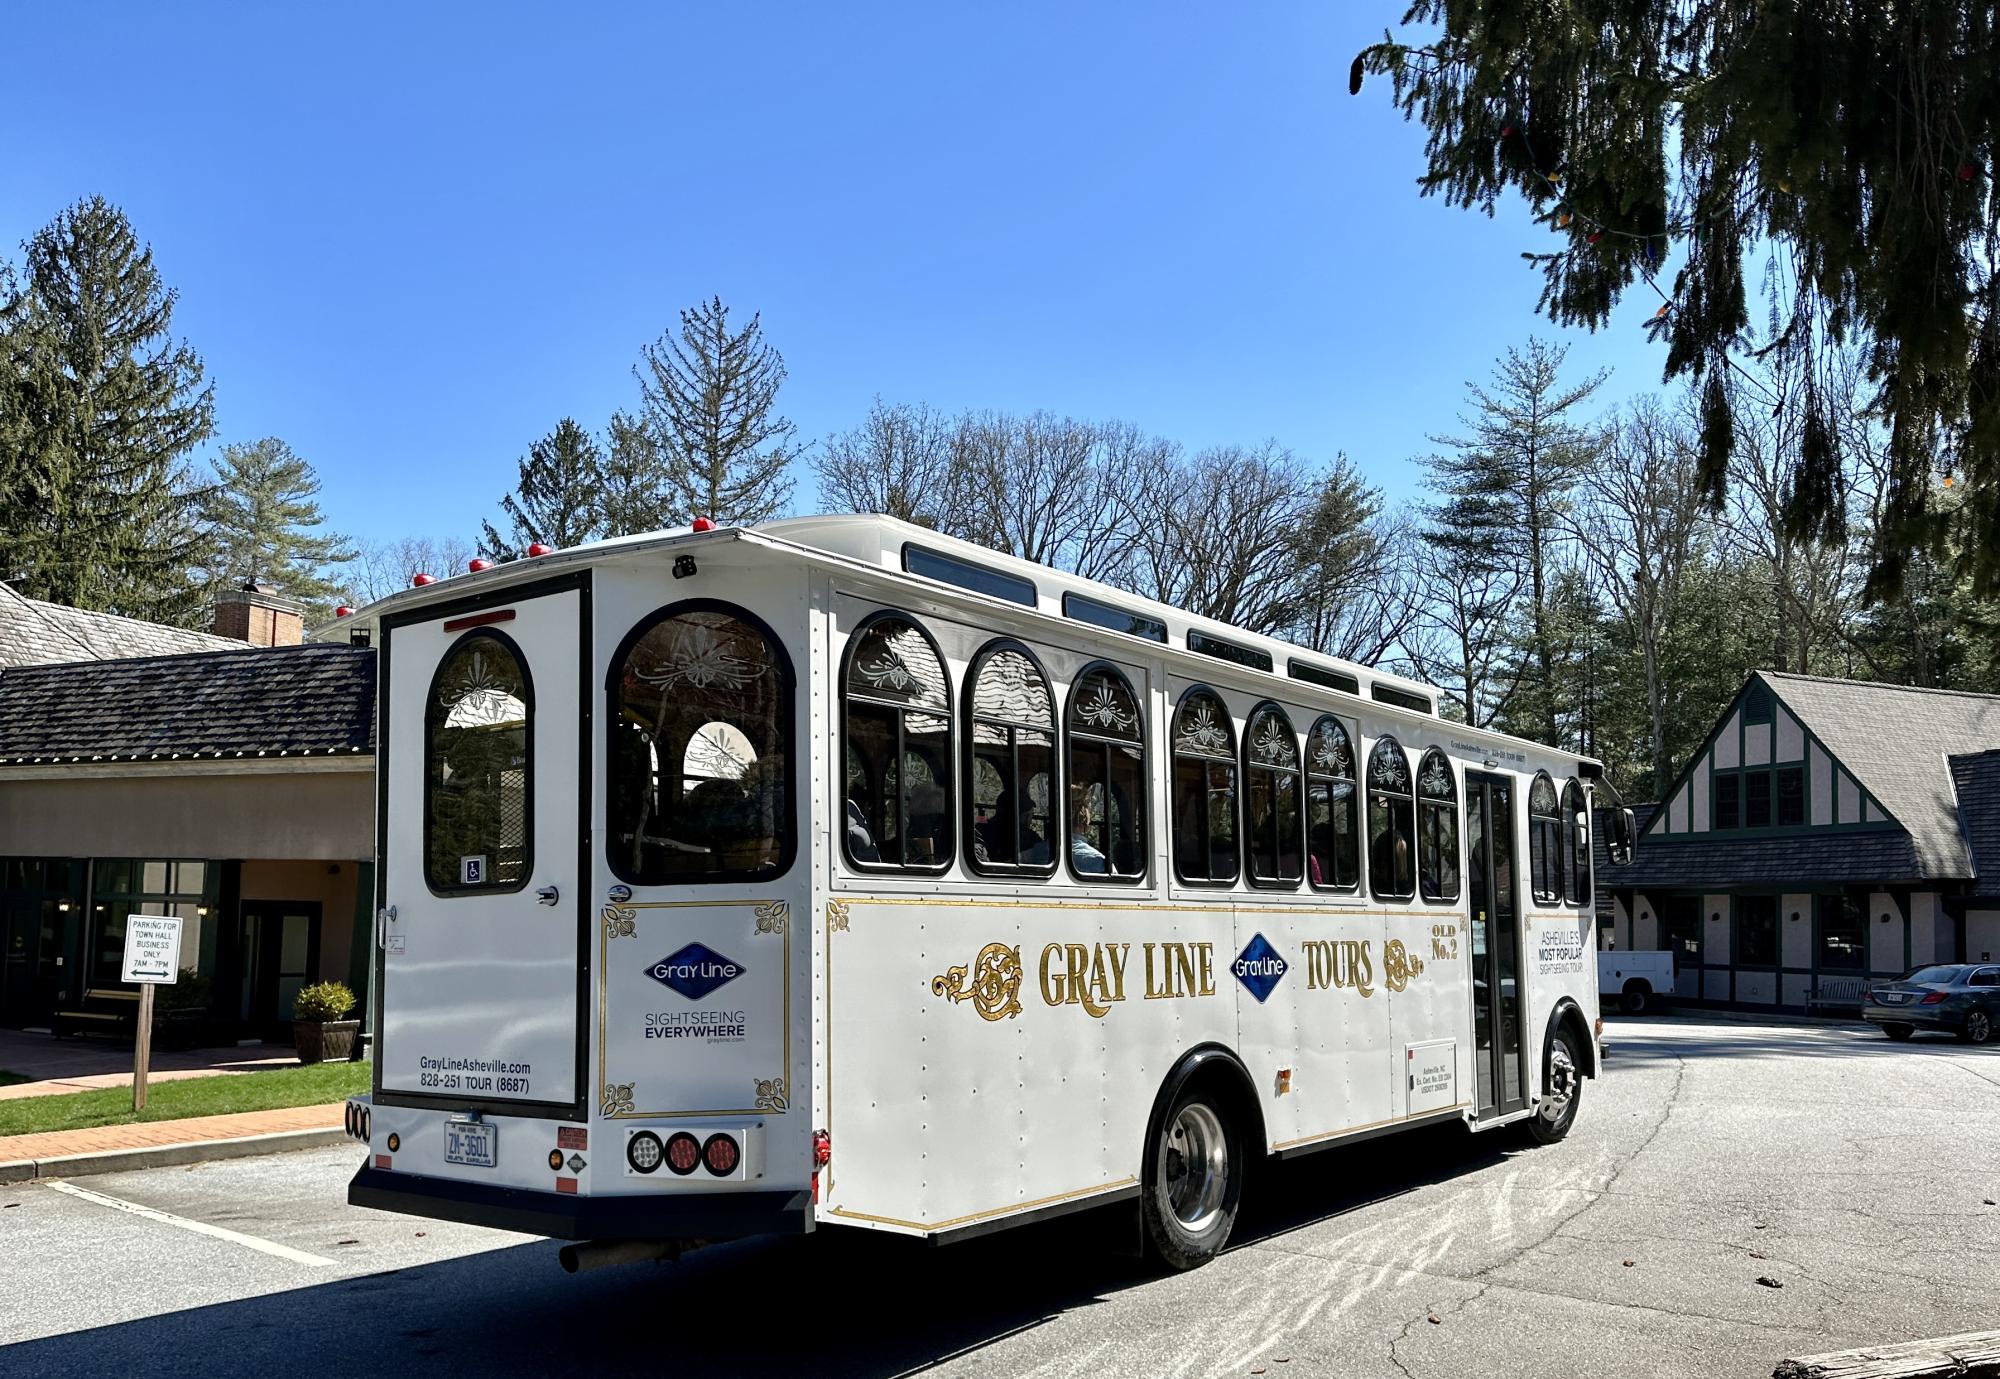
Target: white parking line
<point>268,1247</point>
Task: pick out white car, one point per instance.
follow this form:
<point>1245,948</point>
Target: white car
<point>1636,980</point>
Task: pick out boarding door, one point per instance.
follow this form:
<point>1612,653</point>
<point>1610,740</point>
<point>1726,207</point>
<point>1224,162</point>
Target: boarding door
<point>1493,911</point>
<point>483,844</point>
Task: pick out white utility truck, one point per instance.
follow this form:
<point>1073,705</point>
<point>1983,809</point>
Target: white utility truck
<point>1636,981</point>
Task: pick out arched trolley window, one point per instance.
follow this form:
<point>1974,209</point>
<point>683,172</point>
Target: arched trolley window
<point>1333,826</point>
<point>1011,820</point>
<point>1106,803</point>
<point>699,785</point>
<point>1391,822</point>
<point>896,702</point>
<point>1545,841</point>
<point>1204,792</point>
<point>479,768</point>
<point>1437,828</point>
<point>1274,817</point>
<point>1576,844</point>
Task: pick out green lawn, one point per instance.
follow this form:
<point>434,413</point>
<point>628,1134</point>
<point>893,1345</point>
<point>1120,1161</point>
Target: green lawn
<point>312,1085</point>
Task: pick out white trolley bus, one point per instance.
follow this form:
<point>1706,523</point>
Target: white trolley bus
<point>833,871</point>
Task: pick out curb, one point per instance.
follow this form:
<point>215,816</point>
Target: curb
<point>168,1155</point>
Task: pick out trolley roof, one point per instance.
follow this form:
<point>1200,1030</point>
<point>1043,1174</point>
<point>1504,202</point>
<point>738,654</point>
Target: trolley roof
<point>883,543</point>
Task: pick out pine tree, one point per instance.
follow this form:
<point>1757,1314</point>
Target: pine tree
<point>1849,148</point>
<point>100,509</point>
<point>636,496</point>
<point>709,407</point>
<point>560,497</point>
<point>264,518</point>
<point>1507,488</point>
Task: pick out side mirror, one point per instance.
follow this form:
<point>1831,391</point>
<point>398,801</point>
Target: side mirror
<point>1623,836</point>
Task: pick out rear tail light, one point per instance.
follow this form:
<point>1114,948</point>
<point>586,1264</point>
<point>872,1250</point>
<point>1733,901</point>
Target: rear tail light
<point>721,1154</point>
<point>642,1151</point>
<point>683,1153</point>
<point>1932,998</point>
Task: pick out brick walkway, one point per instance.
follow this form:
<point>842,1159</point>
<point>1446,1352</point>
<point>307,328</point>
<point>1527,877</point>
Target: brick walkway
<point>155,1133</point>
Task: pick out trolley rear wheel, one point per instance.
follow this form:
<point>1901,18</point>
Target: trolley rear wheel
<point>1194,1180</point>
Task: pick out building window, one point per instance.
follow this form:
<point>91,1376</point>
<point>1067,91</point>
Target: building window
<point>1757,931</point>
<point>1727,806</point>
<point>1437,828</point>
<point>1576,844</point>
<point>1274,819</point>
<point>1843,933</point>
<point>1391,822</point>
<point>479,767</point>
<point>1107,778</point>
<point>897,707</point>
<point>1757,799</point>
<point>1791,796</point>
<point>1010,798</point>
<point>120,889</point>
<point>1204,790</point>
<point>1545,843</point>
<point>699,778</point>
<point>1333,833</point>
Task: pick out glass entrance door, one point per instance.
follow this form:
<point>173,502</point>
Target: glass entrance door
<point>280,954</point>
<point>1495,949</point>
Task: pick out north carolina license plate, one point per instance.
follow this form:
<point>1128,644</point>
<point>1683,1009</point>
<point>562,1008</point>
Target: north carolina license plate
<point>474,1143</point>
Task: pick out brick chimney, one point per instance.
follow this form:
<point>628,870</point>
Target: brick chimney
<point>259,615</point>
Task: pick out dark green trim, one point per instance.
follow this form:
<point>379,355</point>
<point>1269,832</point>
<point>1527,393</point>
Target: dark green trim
<point>361,946</point>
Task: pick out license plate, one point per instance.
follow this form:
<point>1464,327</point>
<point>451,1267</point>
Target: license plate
<point>474,1143</point>
<point>1895,997</point>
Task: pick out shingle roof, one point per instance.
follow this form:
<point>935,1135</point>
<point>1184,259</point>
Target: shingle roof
<point>1895,740</point>
<point>34,633</point>
<point>285,701</point>
<point>1977,778</point>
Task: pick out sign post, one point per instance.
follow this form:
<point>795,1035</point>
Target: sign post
<point>152,958</point>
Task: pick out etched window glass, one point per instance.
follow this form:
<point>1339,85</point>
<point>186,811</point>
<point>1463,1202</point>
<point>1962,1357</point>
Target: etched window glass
<point>1011,822</point>
<point>1437,828</point>
<point>1204,793</point>
<point>699,783</point>
<point>1106,779</point>
<point>1391,822</point>
<point>477,768</point>
<point>899,755</point>
<point>1333,831</point>
<point>1544,841</point>
<point>1274,817</point>
<point>1576,844</point>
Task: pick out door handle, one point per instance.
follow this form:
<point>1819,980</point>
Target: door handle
<point>547,895</point>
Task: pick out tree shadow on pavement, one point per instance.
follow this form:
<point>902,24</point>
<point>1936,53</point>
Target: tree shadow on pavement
<point>1633,1041</point>
<point>842,1302</point>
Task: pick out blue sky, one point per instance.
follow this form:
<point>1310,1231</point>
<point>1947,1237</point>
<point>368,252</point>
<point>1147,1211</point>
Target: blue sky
<point>409,240</point>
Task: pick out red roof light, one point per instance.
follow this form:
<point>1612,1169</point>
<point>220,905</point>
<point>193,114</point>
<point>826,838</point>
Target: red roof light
<point>419,581</point>
<point>538,550</point>
<point>343,612</point>
<point>476,566</point>
<point>703,524</point>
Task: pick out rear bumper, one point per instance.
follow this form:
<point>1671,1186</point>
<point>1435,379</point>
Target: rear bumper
<point>1923,1017</point>
<point>650,1216</point>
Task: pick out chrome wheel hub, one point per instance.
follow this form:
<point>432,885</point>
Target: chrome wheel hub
<point>1562,1082</point>
<point>1194,1167</point>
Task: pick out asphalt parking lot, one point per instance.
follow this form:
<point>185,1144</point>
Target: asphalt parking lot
<point>1855,1173</point>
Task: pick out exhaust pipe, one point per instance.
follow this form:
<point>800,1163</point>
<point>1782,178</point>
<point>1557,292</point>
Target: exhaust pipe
<point>585,1255</point>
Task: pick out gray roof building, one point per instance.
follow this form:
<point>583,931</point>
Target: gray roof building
<point>36,633</point>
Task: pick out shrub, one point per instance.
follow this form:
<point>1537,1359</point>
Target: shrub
<point>323,1001</point>
<point>191,992</point>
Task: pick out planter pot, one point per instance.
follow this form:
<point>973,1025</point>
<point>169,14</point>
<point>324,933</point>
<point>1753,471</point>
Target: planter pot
<point>320,1041</point>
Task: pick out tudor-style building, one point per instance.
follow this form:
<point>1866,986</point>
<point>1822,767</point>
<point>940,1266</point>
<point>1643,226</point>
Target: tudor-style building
<point>1826,834</point>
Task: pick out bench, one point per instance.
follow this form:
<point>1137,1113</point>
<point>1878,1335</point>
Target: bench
<point>119,1021</point>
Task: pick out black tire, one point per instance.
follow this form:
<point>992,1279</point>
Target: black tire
<point>1636,996</point>
<point>1978,1027</point>
<point>1899,1032</point>
<point>1188,1218</point>
<point>1557,1112</point>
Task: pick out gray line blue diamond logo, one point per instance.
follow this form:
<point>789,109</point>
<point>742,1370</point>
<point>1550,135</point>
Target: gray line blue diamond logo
<point>1259,967</point>
<point>695,971</point>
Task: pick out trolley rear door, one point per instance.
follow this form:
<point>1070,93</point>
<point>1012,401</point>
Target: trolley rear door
<point>481,960</point>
